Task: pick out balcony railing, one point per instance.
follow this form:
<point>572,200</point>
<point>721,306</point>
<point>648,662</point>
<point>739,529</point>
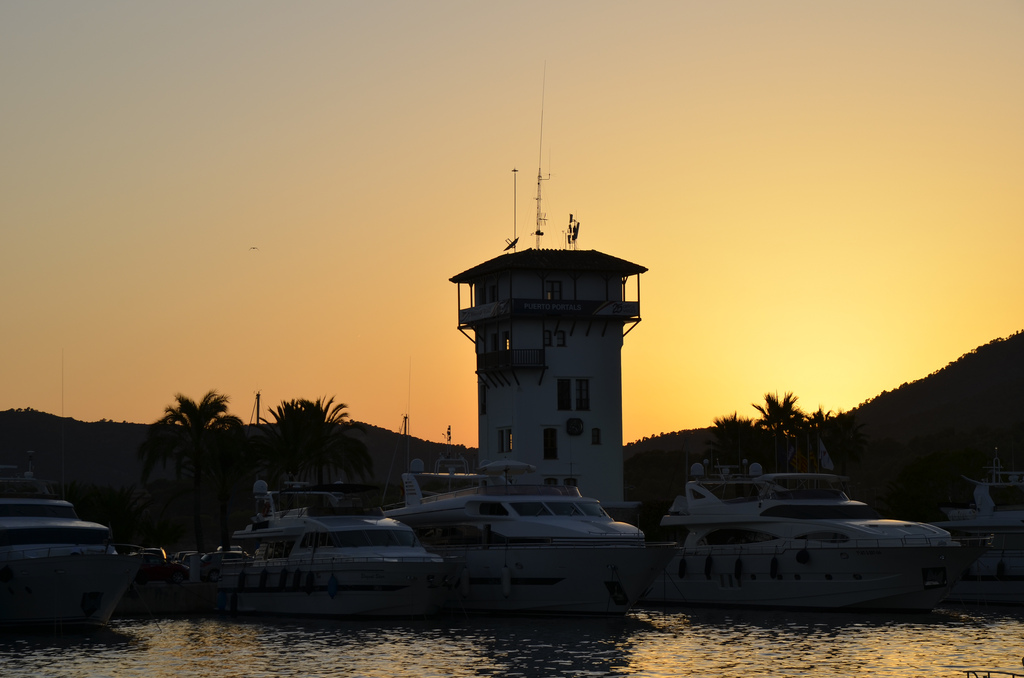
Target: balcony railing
<point>517,357</point>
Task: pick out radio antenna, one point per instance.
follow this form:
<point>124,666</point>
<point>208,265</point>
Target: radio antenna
<point>541,217</point>
<point>511,244</point>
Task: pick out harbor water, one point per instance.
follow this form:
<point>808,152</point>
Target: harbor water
<point>654,642</point>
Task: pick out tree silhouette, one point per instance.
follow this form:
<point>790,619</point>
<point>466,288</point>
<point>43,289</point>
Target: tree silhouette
<point>734,439</point>
<point>310,439</point>
<point>187,434</point>
<point>781,420</point>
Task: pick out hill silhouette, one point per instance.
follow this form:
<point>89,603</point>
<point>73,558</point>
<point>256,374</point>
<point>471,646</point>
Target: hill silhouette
<point>974,403</point>
<point>106,452</point>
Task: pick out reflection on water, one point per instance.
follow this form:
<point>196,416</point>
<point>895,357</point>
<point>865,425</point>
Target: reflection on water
<point>649,642</point>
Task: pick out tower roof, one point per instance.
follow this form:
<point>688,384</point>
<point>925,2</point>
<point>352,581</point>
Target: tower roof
<point>548,260</point>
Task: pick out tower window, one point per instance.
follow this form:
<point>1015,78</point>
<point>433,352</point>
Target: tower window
<point>504,440</point>
<point>560,338</point>
<point>494,341</point>
<point>552,289</point>
<point>492,293</point>
<point>595,436</point>
<point>547,337</point>
<point>551,443</point>
<point>582,394</point>
<point>564,394</point>
<point>483,399</point>
<point>506,340</point>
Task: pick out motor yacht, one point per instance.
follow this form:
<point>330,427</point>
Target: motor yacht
<point>55,569</point>
<point>320,552</point>
<point>998,575</point>
<point>796,540</point>
<point>527,549</point>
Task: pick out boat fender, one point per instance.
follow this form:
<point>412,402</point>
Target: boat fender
<point>241,580</point>
<point>282,581</point>
<point>297,579</point>
<point>464,582</point>
<point>332,586</point>
<point>506,581</point>
<point>774,570</point>
<point>263,579</point>
<point>682,568</point>
<point>1000,571</point>
<point>707,567</point>
<point>6,574</point>
<point>737,569</point>
<point>234,604</point>
<point>803,557</point>
<point>310,583</point>
<point>222,600</point>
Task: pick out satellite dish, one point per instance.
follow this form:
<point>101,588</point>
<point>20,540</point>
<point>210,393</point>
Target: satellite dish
<point>511,244</point>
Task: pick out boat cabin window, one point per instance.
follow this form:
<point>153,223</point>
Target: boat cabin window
<point>54,535</point>
<point>36,511</point>
<point>573,509</point>
<point>363,538</point>
<point>831,537</point>
<point>726,537</point>
<point>822,512</point>
<point>531,508</point>
<point>492,508</point>
<point>312,540</point>
<point>269,550</point>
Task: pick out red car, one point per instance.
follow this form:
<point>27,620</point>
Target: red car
<point>156,567</point>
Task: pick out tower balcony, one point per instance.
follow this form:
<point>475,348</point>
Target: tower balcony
<point>516,357</point>
<point>525,308</point>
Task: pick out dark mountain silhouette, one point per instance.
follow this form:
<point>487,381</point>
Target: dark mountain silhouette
<point>981,389</point>
<point>976,403</point>
<point>106,453</point>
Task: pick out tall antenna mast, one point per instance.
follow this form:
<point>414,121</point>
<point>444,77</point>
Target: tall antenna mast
<point>541,217</point>
<point>511,244</point>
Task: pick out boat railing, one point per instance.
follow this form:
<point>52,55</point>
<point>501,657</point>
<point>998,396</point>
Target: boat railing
<point>756,548</point>
<point>506,490</point>
<point>971,673</point>
<point>53,552</point>
<point>253,563</point>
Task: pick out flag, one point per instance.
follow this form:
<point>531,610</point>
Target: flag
<point>824,460</point>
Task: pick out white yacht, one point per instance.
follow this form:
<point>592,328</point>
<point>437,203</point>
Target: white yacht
<point>795,540</point>
<point>998,575</point>
<point>55,569</point>
<point>321,553</point>
<point>528,549</point>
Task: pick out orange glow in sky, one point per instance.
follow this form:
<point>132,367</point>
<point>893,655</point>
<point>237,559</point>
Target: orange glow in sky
<point>254,196</point>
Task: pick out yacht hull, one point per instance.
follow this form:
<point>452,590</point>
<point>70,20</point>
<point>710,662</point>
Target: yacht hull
<point>557,580</point>
<point>996,578</point>
<point>69,590</point>
<point>336,588</point>
<point>904,578</point>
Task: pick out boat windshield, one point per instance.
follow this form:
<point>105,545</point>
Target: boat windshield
<point>574,509</point>
<point>37,511</point>
<point>54,535</point>
<point>357,538</point>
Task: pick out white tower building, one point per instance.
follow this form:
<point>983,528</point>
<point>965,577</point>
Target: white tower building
<point>548,326</point>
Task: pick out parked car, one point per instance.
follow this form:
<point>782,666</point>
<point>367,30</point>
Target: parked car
<point>210,563</point>
<point>182,556</point>
<point>157,567</point>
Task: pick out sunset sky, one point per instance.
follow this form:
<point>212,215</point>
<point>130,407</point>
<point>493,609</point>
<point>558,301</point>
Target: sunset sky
<point>829,196</point>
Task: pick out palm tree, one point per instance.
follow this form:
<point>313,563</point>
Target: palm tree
<point>819,424</point>
<point>734,438</point>
<point>308,440</point>
<point>781,420</point>
<point>186,434</point>
<point>229,450</point>
<point>846,439</point>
